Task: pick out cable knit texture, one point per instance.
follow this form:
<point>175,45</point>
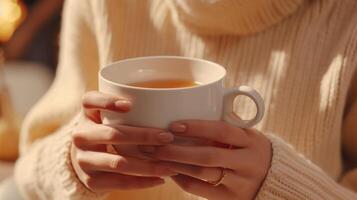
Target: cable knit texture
<point>206,17</point>
<point>301,55</point>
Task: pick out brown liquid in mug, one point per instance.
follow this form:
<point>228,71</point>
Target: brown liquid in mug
<point>170,83</point>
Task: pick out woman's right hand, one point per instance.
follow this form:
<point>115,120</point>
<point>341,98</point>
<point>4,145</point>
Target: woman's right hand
<point>101,171</point>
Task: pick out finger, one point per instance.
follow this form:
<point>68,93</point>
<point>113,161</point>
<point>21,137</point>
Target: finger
<point>202,188</point>
<point>208,174</point>
<point>95,101</point>
<point>194,155</point>
<point>236,183</point>
<point>240,160</point>
<point>90,161</point>
<point>145,136</point>
<point>105,181</point>
<point>91,133</point>
<point>102,101</point>
<point>213,130</point>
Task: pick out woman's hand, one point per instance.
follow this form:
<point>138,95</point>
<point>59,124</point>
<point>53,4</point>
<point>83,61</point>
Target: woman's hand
<point>245,165</point>
<point>102,171</point>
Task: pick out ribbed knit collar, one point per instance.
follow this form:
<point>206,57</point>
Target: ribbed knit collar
<point>240,17</point>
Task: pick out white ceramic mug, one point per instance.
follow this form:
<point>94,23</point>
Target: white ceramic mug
<point>156,107</point>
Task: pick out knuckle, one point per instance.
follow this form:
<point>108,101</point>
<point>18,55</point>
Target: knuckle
<point>118,163</point>
<point>111,134</point>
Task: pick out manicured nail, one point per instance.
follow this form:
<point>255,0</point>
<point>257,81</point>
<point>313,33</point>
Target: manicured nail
<point>123,104</point>
<point>147,149</point>
<point>165,137</point>
<point>178,127</point>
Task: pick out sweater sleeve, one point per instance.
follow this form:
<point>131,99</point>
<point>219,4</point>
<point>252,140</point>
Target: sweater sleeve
<point>43,170</point>
<point>292,176</point>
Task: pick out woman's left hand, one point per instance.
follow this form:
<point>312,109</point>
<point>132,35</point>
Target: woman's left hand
<point>240,169</point>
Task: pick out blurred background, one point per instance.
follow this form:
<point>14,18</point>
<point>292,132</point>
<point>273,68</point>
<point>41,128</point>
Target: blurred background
<point>29,37</point>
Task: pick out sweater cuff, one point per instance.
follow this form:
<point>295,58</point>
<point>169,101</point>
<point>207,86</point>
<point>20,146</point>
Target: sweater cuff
<point>46,172</point>
<point>73,187</point>
<point>68,177</point>
<point>291,176</point>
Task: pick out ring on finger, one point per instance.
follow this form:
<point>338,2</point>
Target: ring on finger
<point>222,175</point>
<point>220,178</point>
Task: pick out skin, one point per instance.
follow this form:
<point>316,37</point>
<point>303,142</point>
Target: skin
<point>193,168</point>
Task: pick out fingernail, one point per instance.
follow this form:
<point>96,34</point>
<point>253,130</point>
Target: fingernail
<point>147,149</point>
<point>123,104</point>
<point>178,127</point>
<point>165,137</point>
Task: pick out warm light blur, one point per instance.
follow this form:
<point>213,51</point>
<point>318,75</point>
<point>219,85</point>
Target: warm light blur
<point>12,12</point>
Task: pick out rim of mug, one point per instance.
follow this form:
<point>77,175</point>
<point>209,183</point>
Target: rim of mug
<point>101,76</point>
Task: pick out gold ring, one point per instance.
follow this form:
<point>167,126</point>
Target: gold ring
<point>220,179</point>
<point>223,173</point>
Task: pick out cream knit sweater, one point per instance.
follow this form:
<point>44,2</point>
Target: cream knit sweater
<point>301,55</point>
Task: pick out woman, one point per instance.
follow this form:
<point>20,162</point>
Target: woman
<point>299,54</point>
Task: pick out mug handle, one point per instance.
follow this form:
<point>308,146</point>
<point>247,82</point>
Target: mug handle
<point>231,117</point>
